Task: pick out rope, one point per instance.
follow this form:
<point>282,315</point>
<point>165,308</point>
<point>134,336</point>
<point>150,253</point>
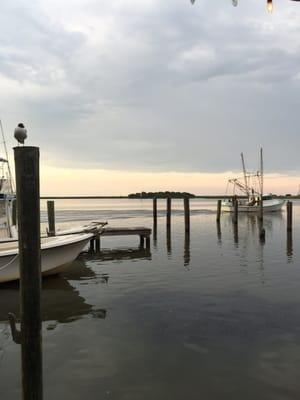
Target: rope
<point>10,262</point>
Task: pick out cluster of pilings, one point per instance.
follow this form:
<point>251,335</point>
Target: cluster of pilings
<point>186,207</point>
<point>261,231</point>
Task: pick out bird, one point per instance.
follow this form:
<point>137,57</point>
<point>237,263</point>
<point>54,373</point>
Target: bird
<point>20,133</point>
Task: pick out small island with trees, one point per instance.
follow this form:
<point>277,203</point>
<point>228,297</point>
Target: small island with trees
<point>160,195</point>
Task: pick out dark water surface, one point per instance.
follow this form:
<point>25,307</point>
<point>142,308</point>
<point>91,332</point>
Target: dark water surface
<point>213,316</point>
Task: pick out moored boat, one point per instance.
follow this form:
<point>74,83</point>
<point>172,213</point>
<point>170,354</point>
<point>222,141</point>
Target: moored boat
<point>270,204</point>
<point>248,193</point>
<point>57,252</point>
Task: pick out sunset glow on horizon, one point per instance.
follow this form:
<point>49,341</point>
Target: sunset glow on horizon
<point>96,182</point>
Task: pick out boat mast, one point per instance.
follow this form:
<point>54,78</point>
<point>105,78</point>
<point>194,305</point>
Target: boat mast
<point>261,184</point>
<point>245,174</point>
<point>6,155</point>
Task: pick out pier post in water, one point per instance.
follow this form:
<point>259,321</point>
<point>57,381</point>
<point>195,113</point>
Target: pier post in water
<point>186,202</point>
<point>235,210</point>
<point>289,218</point>
<point>51,217</point>
<point>97,243</point>
<point>154,211</point>
<point>154,220</point>
<point>28,213</point>
<point>219,207</point>
<point>169,212</point>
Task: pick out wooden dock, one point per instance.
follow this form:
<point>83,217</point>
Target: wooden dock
<point>143,233</point>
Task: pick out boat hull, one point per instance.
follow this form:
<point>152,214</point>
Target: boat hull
<point>273,205</point>
<point>56,256</point>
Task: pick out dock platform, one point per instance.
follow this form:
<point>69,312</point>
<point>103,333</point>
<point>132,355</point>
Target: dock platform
<point>143,233</point>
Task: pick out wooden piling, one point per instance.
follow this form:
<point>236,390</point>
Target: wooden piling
<point>155,210</point>
<point>235,211</point>
<point>289,218</point>
<point>169,211</point>
<point>97,243</point>
<point>219,207</point>
<point>14,212</point>
<point>186,202</point>
<point>92,245</point>
<point>51,217</point>
<point>28,213</point>
<point>142,241</point>
<point>155,221</point>
<point>147,242</point>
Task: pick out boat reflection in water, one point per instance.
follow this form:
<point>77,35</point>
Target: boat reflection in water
<point>61,299</point>
<point>61,302</point>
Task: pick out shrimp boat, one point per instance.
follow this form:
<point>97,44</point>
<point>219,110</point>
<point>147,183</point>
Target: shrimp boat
<point>248,192</point>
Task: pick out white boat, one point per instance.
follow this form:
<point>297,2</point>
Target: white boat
<point>248,193</point>
<point>269,205</point>
<point>57,252</point>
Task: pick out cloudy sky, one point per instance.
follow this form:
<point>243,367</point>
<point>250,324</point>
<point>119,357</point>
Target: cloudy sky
<point>129,95</point>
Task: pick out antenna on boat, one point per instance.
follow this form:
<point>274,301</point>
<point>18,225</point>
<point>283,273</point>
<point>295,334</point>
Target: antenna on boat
<point>6,155</point>
<point>245,174</point>
<point>261,193</point>
<point>261,172</point>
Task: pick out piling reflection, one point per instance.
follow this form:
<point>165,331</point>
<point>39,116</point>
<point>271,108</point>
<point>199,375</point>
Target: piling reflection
<point>236,234</point>
<point>127,253</point>
<point>289,246</point>
<point>154,234</point>
<point>219,232</point>
<point>169,242</point>
<point>187,249</point>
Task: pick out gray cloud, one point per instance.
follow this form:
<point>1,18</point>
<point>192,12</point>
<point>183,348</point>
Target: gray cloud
<point>153,85</point>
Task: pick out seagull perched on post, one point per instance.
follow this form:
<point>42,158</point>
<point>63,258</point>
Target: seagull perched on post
<point>20,133</point>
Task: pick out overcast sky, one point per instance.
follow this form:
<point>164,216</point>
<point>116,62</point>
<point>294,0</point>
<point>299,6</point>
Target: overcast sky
<point>152,86</point>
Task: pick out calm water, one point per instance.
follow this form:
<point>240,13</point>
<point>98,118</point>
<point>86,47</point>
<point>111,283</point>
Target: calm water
<point>213,316</point>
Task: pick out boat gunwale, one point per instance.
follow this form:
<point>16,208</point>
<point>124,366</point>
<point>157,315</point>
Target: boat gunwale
<point>56,242</point>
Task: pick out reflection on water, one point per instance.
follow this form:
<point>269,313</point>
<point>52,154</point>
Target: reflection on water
<point>187,249</point>
<point>236,234</point>
<point>289,246</point>
<point>154,234</point>
<point>219,232</point>
<point>118,254</point>
<point>146,324</point>
<point>169,241</point>
<point>60,301</point>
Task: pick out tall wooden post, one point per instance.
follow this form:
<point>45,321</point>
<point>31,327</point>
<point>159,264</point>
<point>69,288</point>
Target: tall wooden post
<point>186,202</point>
<point>51,217</point>
<point>169,212</point>
<point>235,211</point>
<point>219,207</point>
<point>154,210</point>
<point>154,221</point>
<point>14,213</point>
<point>289,217</point>
<point>28,212</point>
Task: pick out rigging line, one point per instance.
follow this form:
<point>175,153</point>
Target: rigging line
<point>6,155</point>
<point>10,262</point>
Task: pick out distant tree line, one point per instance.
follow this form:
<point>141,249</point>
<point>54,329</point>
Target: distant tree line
<point>159,195</point>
